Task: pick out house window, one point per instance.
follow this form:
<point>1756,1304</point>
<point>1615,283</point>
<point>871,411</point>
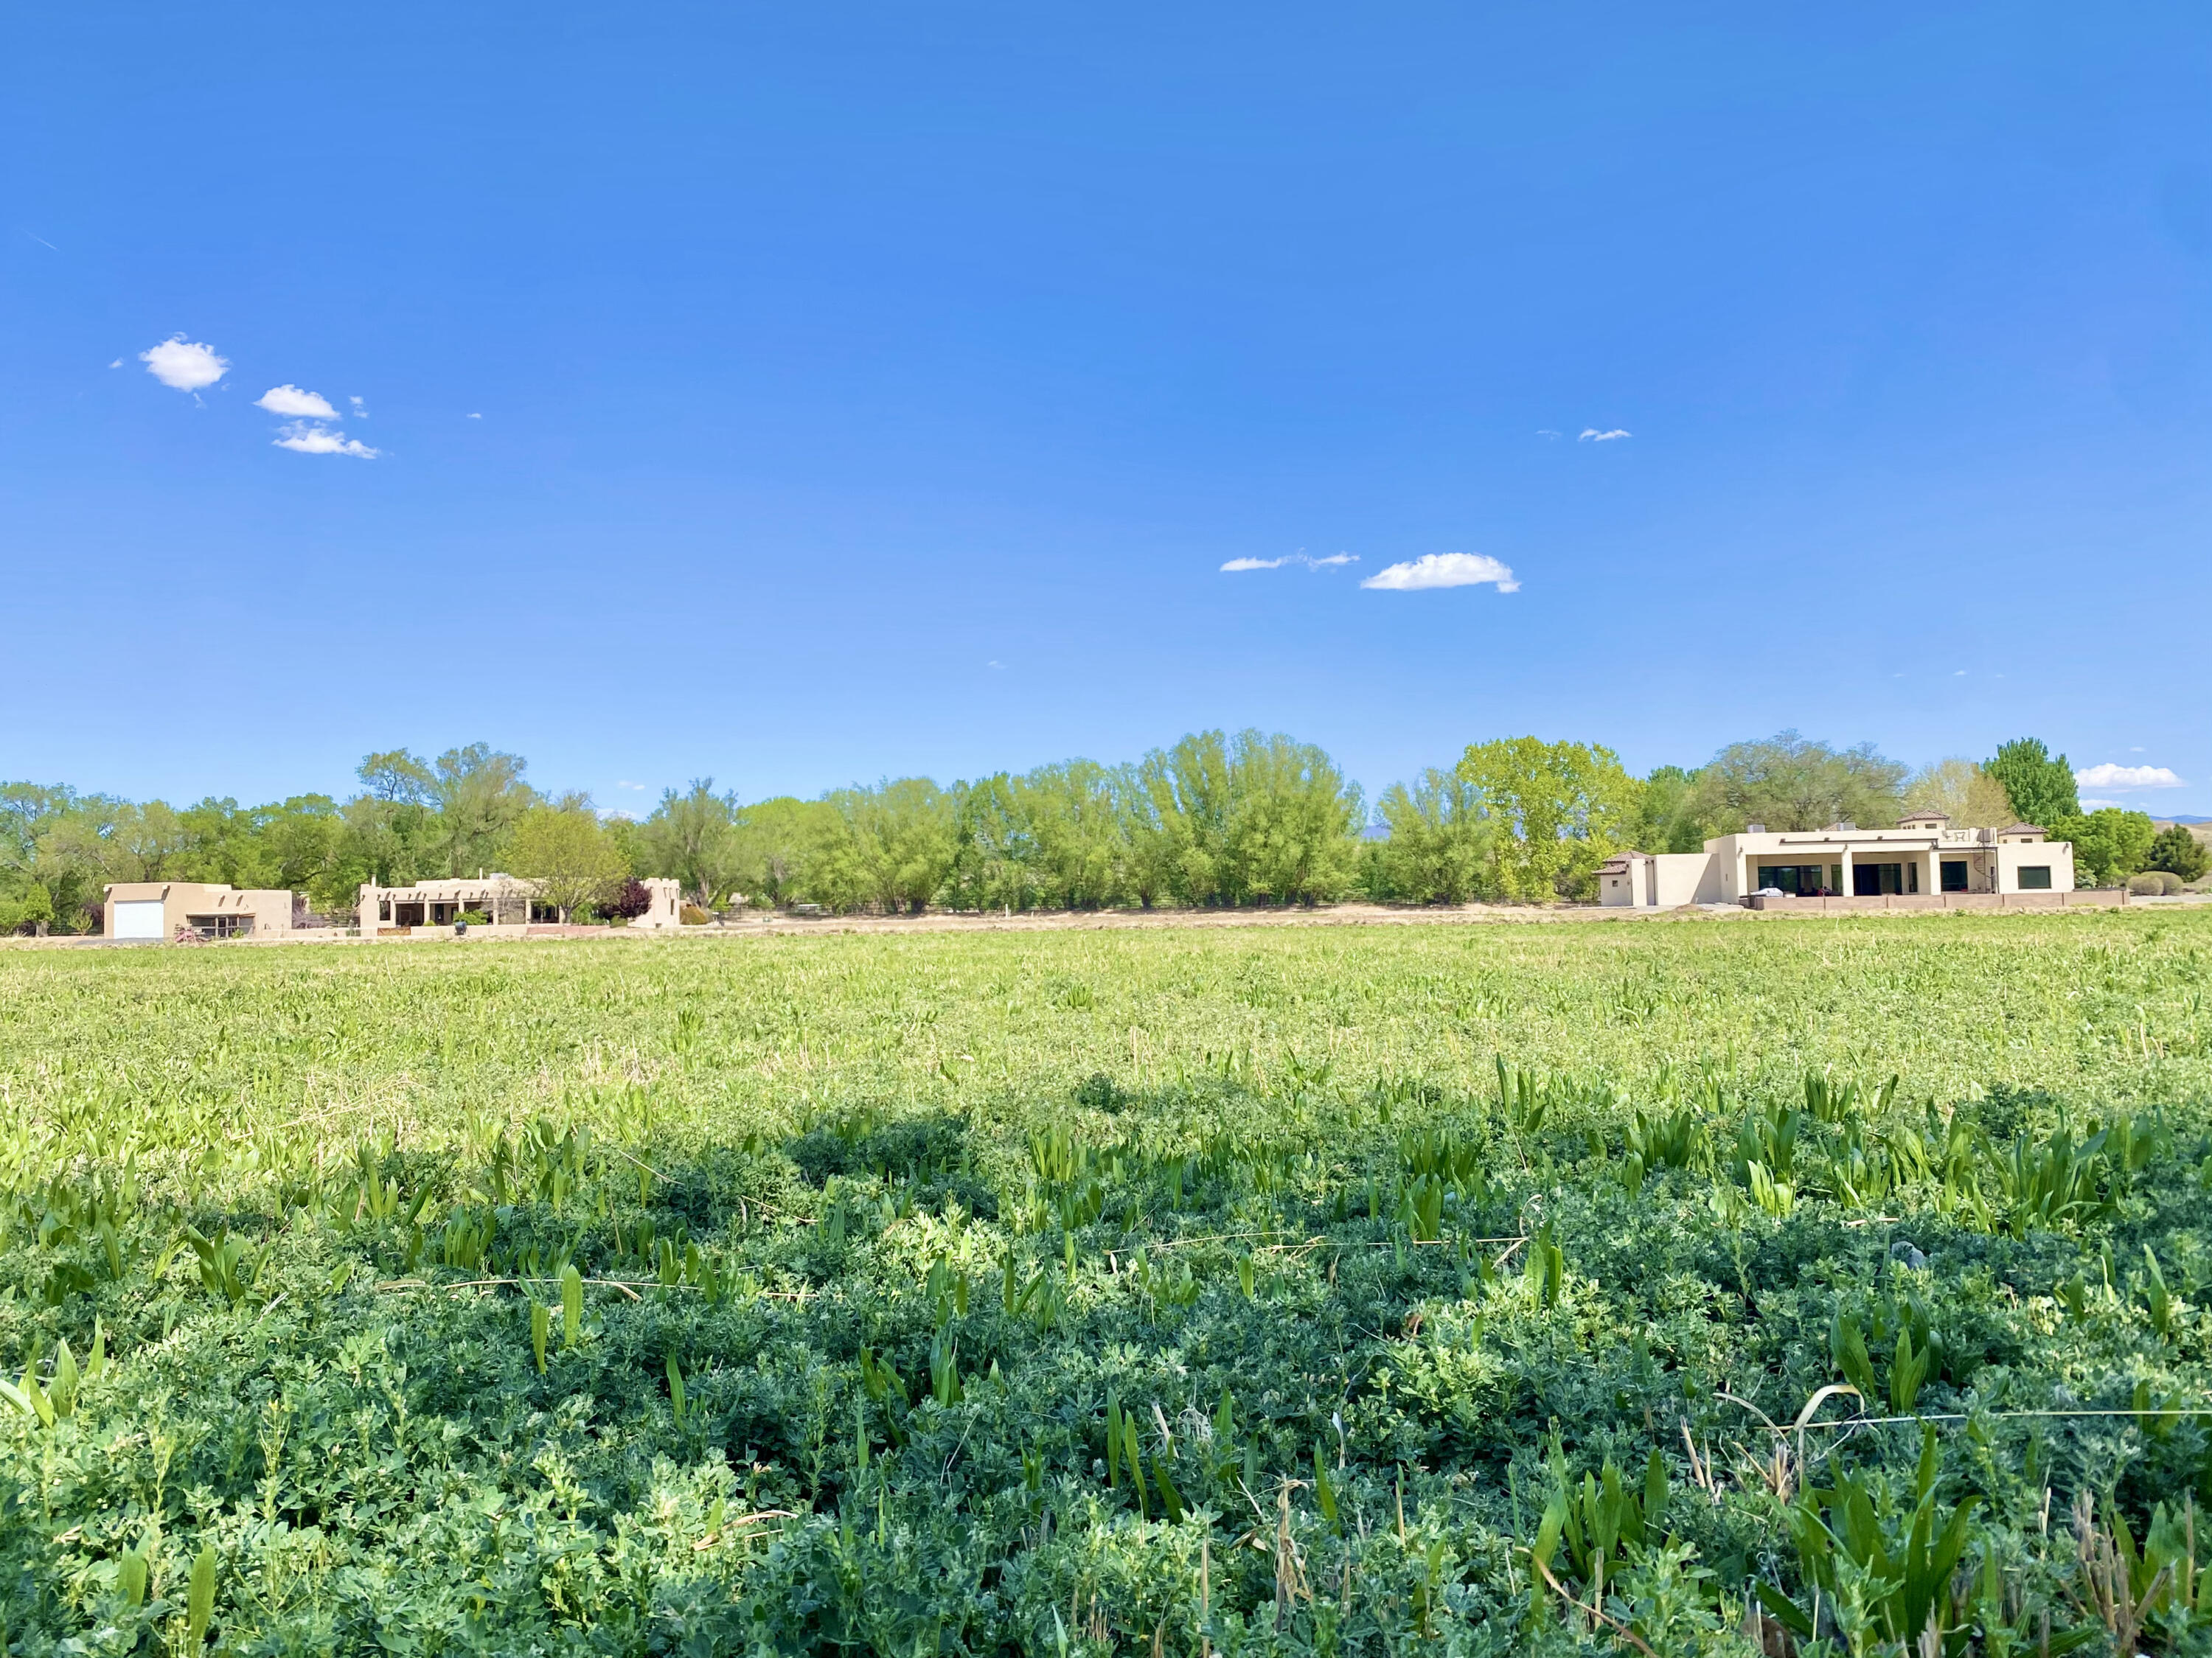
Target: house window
<point>1954,875</point>
<point>2035,878</point>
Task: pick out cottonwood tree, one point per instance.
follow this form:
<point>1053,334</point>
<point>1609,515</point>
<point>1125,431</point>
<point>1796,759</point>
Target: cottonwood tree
<point>1668,813</point>
<point>776,843</point>
<point>480,797</point>
<point>1254,819</point>
<point>1440,849</point>
<point>562,848</point>
<point>1963,792</point>
<point>1789,782</point>
<point>691,837</point>
<point>1559,808</point>
<point>892,846</point>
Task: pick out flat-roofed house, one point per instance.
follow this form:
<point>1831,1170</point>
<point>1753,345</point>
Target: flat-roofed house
<point>159,911</point>
<point>505,902</point>
<point>502,900</point>
<point>1922,859</point>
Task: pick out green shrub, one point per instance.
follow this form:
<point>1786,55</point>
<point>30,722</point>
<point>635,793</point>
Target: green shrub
<point>2179,851</point>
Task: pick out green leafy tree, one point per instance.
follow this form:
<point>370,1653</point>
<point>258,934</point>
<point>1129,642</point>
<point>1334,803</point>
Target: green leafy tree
<point>480,797</point>
<point>995,860</point>
<point>1073,814</point>
<point>1559,808</point>
<point>37,892</point>
<point>778,843</point>
<point>1293,834</point>
<point>892,846</point>
<point>1441,846</point>
<point>563,849</point>
<point>1179,806</point>
<point>385,835</point>
<point>1963,792</point>
<point>1258,819</point>
<point>2177,851</point>
<point>1668,813</point>
<point>1792,783</point>
<point>691,837</point>
<point>2110,844</point>
<point>117,841</point>
<point>2040,789</point>
<point>28,908</point>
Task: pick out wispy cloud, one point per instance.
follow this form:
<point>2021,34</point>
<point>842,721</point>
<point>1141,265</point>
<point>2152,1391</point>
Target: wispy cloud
<point>1591,434</point>
<point>1444,570</point>
<point>1546,432</point>
<point>304,437</point>
<point>2110,776</point>
<point>359,407</point>
<point>291,400</point>
<point>185,365</point>
<point>1330,562</point>
<point>476,416</point>
<point>626,784</point>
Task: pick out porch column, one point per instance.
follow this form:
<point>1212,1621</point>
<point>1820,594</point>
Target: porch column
<point>1934,883</point>
<point>1844,878</point>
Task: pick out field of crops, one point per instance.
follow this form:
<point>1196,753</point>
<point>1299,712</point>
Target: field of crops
<point>1787,1285</point>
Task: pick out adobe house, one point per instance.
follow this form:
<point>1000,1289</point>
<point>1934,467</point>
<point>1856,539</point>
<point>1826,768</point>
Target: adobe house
<point>505,902</point>
<point>156,912</point>
<point>502,899</point>
<point>1922,862</point>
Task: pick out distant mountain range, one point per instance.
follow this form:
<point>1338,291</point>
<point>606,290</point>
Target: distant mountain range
<point>2181,817</point>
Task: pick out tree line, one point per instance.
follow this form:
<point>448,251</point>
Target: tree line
<point>1215,820</point>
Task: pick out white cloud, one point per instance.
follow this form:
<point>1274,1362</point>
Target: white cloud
<point>1546,432</point>
<point>476,416</point>
<point>2110,776</point>
<point>1591,434</point>
<point>1330,562</point>
<point>291,400</point>
<point>118,363</point>
<point>626,784</point>
<point>187,367</point>
<point>1444,570</point>
<point>2088,804</point>
<point>310,439</point>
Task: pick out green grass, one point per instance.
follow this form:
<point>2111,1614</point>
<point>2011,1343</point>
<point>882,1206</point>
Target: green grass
<point>1225,1288</point>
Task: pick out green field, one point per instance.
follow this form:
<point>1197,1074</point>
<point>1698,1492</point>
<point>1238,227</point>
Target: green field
<point>1341,1290</point>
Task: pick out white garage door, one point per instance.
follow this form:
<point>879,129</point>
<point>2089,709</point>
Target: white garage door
<point>140,917</point>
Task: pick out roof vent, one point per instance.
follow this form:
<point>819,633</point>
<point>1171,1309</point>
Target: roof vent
<point>1755,829</point>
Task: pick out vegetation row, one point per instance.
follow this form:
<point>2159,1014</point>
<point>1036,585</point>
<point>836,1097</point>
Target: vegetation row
<point>1214,820</point>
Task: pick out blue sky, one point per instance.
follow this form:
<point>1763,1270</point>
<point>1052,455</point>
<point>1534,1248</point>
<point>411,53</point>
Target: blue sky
<point>800,395</point>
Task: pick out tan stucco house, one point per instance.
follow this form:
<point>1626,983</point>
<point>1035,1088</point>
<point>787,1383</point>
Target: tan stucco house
<point>157,912</point>
<point>1922,858</point>
<point>505,902</point>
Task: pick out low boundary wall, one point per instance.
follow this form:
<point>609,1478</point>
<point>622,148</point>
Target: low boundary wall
<point>2096,898</point>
